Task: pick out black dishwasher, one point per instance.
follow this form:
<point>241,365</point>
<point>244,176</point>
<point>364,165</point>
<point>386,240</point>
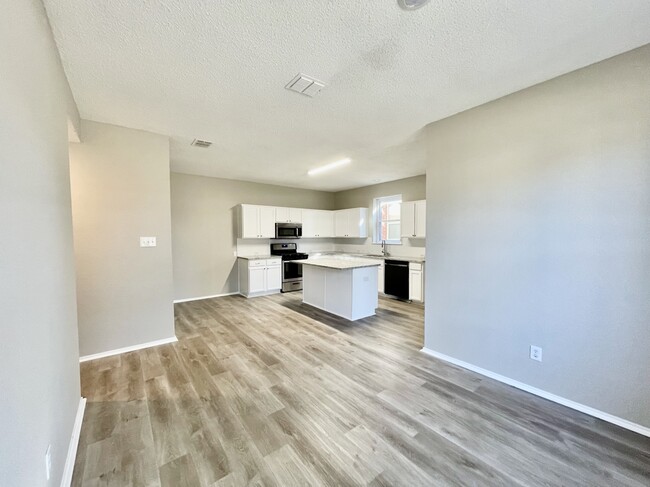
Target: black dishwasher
<point>396,278</point>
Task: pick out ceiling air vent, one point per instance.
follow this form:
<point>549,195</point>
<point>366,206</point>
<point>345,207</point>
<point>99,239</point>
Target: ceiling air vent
<point>204,144</point>
<point>305,85</point>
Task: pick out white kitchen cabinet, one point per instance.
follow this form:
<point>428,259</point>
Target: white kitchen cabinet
<point>416,281</point>
<point>317,223</point>
<point>352,223</point>
<point>259,277</point>
<point>413,219</point>
<point>256,280</point>
<point>274,276</point>
<point>380,278</point>
<point>289,215</point>
<point>256,221</point>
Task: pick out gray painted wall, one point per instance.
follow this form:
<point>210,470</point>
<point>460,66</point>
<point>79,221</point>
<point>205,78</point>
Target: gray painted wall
<point>411,189</point>
<point>204,228</point>
<point>39,368</point>
<point>538,224</point>
<point>120,191</point>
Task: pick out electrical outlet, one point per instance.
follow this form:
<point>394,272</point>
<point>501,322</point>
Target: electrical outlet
<point>48,462</point>
<point>147,241</point>
<point>536,353</point>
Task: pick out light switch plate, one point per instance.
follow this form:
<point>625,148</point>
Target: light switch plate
<point>147,241</point>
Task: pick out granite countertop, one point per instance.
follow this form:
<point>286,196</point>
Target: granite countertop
<point>369,256</point>
<point>341,264</point>
<point>256,257</point>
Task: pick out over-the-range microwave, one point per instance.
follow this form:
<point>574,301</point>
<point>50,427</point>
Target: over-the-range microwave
<point>288,230</point>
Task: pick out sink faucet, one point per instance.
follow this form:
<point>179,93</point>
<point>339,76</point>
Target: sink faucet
<point>384,248</point>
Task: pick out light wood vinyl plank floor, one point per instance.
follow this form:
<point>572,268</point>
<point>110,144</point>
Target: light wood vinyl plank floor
<point>271,392</point>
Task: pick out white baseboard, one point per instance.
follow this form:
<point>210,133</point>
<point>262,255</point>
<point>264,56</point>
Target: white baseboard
<point>118,351</point>
<point>204,297</point>
<point>68,469</point>
<point>610,418</point>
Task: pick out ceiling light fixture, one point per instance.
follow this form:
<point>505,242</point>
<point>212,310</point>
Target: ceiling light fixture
<point>327,167</point>
<point>411,4</point>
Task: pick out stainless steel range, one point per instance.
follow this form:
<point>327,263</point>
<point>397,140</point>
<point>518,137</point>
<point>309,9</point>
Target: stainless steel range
<point>291,268</point>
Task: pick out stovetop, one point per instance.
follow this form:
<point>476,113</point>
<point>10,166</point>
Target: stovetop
<point>288,251</point>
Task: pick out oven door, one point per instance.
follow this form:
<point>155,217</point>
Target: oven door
<point>291,271</point>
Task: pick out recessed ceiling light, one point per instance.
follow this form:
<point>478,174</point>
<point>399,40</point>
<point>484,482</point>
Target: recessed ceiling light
<point>411,4</point>
<point>327,167</point>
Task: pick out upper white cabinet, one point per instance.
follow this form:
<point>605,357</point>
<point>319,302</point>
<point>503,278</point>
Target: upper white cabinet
<point>256,221</point>
<point>259,221</point>
<point>413,221</point>
<point>351,223</point>
<point>317,223</point>
<point>289,215</point>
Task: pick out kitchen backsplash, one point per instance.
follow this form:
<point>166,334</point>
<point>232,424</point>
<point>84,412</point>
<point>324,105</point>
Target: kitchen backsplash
<point>252,247</point>
<point>409,248</point>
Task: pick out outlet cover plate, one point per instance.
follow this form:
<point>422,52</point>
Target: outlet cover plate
<point>536,353</point>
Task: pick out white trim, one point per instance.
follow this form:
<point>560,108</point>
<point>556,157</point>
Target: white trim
<point>66,480</point>
<point>610,418</point>
<point>185,300</point>
<point>117,351</point>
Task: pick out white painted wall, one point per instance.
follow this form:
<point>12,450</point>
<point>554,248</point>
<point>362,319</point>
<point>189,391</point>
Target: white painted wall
<point>39,368</point>
<point>538,225</point>
<point>120,192</point>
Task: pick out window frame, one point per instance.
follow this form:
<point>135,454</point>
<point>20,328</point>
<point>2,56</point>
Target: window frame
<point>377,220</point>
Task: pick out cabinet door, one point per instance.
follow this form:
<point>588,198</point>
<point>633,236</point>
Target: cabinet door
<point>407,219</point>
<point>420,218</point>
<point>358,221</point>
<point>310,223</point>
<point>415,285</point>
<point>256,279</point>
<point>282,215</point>
<point>250,223</point>
<point>267,221</point>
<point>295,215</point>
<point>341,223</point>
<point>325,223</point>
<point>273,278</point>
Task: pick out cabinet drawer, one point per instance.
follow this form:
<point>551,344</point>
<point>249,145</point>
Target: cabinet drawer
<point>415,266</point>
<point>256,263</point>
<point>273,262</point>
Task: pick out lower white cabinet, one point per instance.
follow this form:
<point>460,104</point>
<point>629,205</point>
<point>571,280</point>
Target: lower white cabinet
<point>258,277</point>
<point>380,277</point>
<point>416,281</point>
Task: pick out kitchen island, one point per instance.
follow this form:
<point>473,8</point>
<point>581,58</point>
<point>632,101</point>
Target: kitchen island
<point>346,287</point>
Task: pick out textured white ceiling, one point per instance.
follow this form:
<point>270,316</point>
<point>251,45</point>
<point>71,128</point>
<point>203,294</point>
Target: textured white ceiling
<point>216,70</point>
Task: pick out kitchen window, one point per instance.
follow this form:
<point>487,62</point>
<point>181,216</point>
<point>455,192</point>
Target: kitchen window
<point>386,215</point>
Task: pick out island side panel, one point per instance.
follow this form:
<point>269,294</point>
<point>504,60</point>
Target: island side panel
<point>313,286</point>
<point>338,295</point>
<point>364,292</point>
